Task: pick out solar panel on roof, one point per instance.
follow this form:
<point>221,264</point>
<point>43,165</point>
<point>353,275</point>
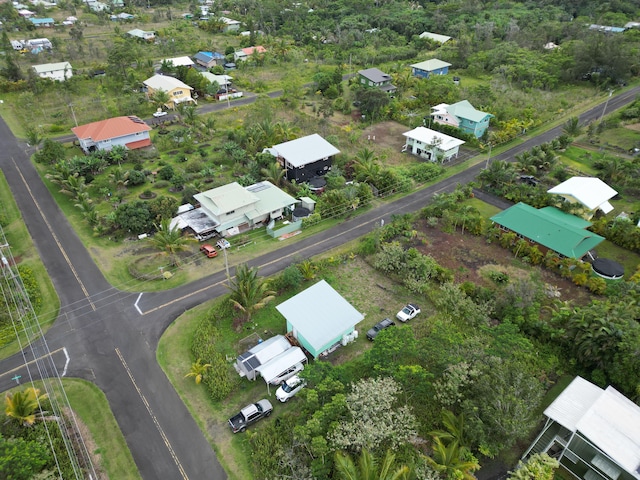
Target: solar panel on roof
<point>135,119</point>
<point>258,187</point>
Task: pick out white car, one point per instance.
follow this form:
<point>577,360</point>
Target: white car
<point>159,113</point>
<point>408,312</point>
<point>289,388</point>
<point>222,244</point>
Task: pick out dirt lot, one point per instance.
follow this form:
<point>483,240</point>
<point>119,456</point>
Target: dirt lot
<point>470,258</point>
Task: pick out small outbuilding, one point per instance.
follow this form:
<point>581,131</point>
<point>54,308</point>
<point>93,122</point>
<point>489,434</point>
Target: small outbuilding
<point>591,192</point>
<point>319,318</point>
<point>247,363</point>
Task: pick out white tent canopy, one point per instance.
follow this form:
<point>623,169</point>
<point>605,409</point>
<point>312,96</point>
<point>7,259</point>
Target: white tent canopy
<point>280,363</point>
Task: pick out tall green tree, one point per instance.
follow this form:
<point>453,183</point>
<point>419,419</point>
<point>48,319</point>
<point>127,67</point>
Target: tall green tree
<point>24,405</point>
<point>367,468</point>
<point>249,292</point>
<point>169,240</point>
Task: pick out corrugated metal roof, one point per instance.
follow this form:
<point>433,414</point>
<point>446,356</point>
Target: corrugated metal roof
<point>375,75</point>
<point>280,363</point>
<point>52,67</point>
<point>431,137</point>
<point>305,150</point>
<point>179,61</point>
<point>464,109</point>
<point>549,227</point>
<point>431,65</point>
<point>165,82</point>
<point>226,198</point>
<point>110,128</point>
<point>589,191</point>
<point>435,36</point>
<point>270,197</point>
<point>320,314</point>
<point>606,418</point>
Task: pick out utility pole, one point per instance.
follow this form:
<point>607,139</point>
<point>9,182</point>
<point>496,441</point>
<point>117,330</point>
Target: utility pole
<point>488,156</point>
<point>73,114</point>
<point>605,105</point>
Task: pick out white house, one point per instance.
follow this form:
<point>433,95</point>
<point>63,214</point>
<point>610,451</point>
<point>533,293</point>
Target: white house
<point>179,61</point>
<point>594,433</point>
<point>591,192</point>
<point>431,145</point>
<point>55,71</point>
<point>236,209</point>
<point>142,34</point>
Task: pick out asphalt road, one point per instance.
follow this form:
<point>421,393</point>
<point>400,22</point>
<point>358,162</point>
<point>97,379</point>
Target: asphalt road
<point>110,337</point>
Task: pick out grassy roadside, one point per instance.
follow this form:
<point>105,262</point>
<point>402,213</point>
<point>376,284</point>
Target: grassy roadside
<point>25,254</point>
<point>101,434</point>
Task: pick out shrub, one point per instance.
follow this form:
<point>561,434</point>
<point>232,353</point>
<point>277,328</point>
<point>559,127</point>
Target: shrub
<point>136,177</point>
<point>166,173</point>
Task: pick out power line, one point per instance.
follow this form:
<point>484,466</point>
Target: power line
<point>24,319</point>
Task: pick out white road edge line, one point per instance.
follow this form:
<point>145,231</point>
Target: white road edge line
<point>136,304</point>
<point>66,364</point>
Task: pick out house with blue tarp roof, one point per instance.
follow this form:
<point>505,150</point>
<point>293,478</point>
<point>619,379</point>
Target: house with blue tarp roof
<point>209,59</point>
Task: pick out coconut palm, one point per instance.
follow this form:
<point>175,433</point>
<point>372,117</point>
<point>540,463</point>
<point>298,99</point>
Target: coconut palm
<point>34,137</point>
<point>452,461</point>
<point>366,166</point>
<point>273,173</point>
<point>368,469</point>
<point>198,369</point>
<point>160,98</point>
<point>572,127</point>
<point>249,292</point>
<point>23,406</point>
<point>169,240</point>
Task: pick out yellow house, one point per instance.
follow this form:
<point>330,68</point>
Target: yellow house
<point>178,91</point>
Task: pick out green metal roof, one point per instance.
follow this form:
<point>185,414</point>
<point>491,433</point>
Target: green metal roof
<point>550,227</point>
<point>464,109</point>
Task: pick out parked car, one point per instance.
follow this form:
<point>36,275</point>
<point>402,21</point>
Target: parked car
<point>378,327</point>
<point>208,250</point>
<point>287,374</point>
<point>408,312</point>
<point>289,388</point>
<point>159,113</point>
<point>250,414</point>
<point>222,244</point>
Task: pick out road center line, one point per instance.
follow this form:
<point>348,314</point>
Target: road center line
<point>153,417</point>
<point>50,354</point>
<point>55,237</point>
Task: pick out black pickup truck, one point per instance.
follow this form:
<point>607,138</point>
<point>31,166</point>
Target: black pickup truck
<point>250,414</point>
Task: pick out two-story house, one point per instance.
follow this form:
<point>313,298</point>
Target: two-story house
<point>431,144</point>
<point>305,158</point>
<point>179,92</point>
<point>593,433</point>
<point>234,208</point>
<point>129,132</point>
<point>372,77</point>
<point>430,67</point>
<point>462,115</point>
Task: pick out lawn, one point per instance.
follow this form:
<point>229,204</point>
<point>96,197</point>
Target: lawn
<point>25,254</point>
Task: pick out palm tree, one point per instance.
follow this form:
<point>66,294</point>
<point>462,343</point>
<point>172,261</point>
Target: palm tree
<point>366,166</point>
<point>452,461</point>
<point>34,137</point>
<point>198,369</point>
<point>169,240</point>
<point>249,292</point>
<point>572,127</point>
<point>273,173</point>
<point>23,405</point>
<point>367,468</point>
<point>160,98</point>
<point>497,174</point>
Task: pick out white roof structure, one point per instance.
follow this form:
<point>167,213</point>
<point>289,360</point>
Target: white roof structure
<point>433,137</point>
<point>591,192</point>
<point>52,67</point>
<point>319,313</point>
<point>179,61</point>
<point>226,198</point>
<point>280,363</point>
<point>249,361</point>
<point>221,79</point>
<point>165,82</point>
<point>608,419</point>
<point>431,65</point>
<point>435,37</point>
<point>305,150</point>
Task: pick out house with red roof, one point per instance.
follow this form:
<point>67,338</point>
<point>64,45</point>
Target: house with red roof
<point>129,132</point>
<point>245,53</point>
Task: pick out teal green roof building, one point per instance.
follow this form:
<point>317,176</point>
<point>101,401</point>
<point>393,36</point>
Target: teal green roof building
<point>552,228</point>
